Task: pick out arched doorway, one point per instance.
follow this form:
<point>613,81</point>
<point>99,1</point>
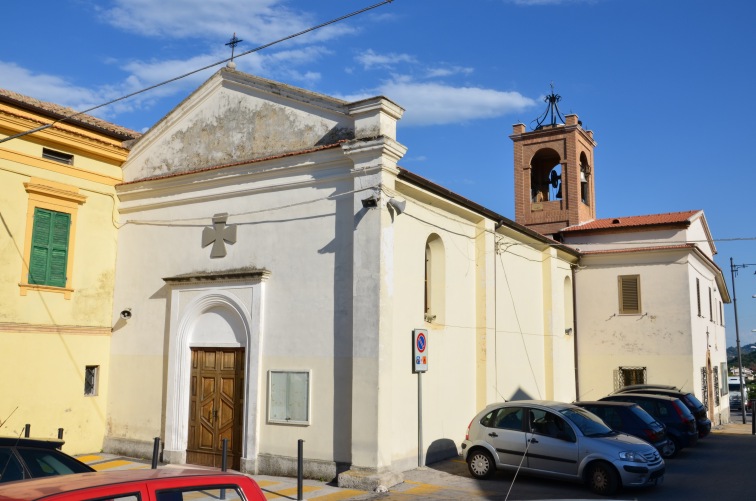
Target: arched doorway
<point>214,368</point>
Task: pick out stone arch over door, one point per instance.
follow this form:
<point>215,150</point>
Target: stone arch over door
<point>213,313</point>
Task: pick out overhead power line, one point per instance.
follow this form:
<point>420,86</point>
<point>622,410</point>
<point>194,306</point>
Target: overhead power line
<point>256,49</point>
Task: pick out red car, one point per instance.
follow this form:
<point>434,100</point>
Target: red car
<point>165,484</point>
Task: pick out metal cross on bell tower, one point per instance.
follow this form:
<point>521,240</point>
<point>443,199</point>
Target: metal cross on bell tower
<point>552,110</point>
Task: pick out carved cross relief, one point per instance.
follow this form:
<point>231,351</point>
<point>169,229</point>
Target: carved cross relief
<point>218,235</point>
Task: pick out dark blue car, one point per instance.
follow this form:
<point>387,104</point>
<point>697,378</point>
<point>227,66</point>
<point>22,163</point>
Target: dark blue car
<point>670,411</point>
<point>22,458</point>
<point>630,418</point>
<point>695,406</point>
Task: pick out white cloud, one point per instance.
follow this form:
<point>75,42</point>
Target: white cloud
<point>371,60</point>
<point>448,71</point>
<point>144,74</point>
<point>58,90</point>
<point>254,21</point>
<point>53,88</point>
<point>270,65</point>
<point>437,104</point>
<point>440,104</point>
<point>141,75</point>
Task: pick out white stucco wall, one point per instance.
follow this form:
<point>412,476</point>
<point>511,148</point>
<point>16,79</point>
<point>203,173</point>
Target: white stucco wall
<point>449,386</point>
<point>499,337</point>
<point>668,338</point>
<point>534,354</point>
<point>298,245</point>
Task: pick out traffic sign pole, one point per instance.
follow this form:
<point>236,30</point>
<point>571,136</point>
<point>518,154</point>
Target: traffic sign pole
<point>420,365</point>
<point>420,419</point>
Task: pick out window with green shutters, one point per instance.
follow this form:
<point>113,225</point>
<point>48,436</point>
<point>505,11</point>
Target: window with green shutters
<point>49,252</point>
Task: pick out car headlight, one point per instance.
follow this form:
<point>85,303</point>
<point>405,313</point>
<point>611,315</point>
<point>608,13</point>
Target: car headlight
<point>632,456</point>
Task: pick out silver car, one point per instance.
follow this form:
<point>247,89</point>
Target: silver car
<point>558,440</point>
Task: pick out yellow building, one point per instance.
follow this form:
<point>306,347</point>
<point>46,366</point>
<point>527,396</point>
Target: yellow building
<point>58,213</point>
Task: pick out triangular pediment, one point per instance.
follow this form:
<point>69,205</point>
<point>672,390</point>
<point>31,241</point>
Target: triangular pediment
<point>236,117</point>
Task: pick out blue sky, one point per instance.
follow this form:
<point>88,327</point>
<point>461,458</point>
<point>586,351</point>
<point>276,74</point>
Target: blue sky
<point>664,85</point>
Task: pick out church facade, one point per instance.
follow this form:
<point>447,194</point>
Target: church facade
<point>275,264</point>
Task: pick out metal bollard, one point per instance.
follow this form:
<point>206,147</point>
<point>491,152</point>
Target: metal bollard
<point>60,433</point>
<point>155,452</point>
<point>224,457</point>
<point>300,469</point>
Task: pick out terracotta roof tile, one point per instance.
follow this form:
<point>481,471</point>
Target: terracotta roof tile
<point>57,111</point>
<point>670,218</point>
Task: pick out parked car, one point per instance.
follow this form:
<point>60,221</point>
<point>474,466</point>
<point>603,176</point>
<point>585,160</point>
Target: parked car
<point>164,484</point>
<point>558,440</point>
<point>22,458</point>
<point>695,406</point>
<point>680,423</point>
<point>630,418</point>
<point>649,386</point>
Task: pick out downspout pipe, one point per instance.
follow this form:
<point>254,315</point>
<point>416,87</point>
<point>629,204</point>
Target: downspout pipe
<point>575,332</point>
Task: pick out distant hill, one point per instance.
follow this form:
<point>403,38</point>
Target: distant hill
<point>747,354</point>
<point>732,351</point>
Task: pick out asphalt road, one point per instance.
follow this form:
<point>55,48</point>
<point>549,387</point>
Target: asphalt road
<point>720,466</point>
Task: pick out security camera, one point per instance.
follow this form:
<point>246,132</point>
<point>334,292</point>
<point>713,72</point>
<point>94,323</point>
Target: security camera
<point>126,314</point>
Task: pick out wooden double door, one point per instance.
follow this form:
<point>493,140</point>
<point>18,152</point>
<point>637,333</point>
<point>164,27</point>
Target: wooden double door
<point>216,406</point>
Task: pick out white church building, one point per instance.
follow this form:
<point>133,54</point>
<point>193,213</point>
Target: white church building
<point>274,264</point>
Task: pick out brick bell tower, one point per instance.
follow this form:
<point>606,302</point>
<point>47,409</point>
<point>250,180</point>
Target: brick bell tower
<point>553,172</point>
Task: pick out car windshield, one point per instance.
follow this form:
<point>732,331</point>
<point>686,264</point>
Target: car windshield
<point>10,468</point>
<point>43,462</point>
<point>588,423</point>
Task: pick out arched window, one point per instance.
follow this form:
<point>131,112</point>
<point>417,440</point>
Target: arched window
<point>585,173</point>
<point>569,319</point>
<point>545,176</point>
<point>435,280</point>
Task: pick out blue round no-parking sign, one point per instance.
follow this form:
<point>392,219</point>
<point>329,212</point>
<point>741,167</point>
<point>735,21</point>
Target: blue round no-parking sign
<point>420,342</point>
<point>420,350</point>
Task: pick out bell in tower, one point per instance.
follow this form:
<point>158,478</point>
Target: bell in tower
<point>553,171</point>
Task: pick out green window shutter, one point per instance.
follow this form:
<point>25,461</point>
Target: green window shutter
<point>49,252</point>
<point>40,246</point>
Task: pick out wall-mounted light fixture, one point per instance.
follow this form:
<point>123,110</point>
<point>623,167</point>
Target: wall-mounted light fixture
<point>126,314</point>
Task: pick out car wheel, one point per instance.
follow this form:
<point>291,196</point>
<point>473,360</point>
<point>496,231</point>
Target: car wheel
<point>603,479</point>
<point>481,464</point>
<point>670,450</point>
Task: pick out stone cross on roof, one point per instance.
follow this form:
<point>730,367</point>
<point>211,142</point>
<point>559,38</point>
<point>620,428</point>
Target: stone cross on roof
<point>218,235</point>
